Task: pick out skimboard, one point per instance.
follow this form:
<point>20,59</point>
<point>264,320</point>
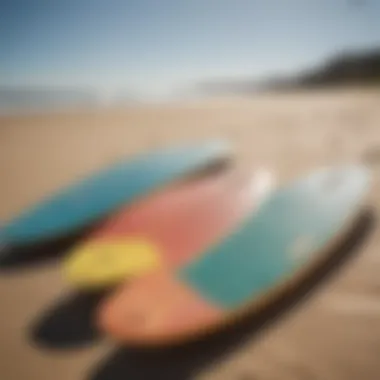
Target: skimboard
<point>90,199</point>
<point>166,229</point>
<point>293,230</point>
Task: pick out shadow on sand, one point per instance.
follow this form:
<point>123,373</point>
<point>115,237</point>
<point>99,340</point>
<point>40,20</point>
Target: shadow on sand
<point>69,323</point>
<point>184,362</point>
<point>14,258</point>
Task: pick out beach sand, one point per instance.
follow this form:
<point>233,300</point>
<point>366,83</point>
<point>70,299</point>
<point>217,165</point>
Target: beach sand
<point>334,334</point>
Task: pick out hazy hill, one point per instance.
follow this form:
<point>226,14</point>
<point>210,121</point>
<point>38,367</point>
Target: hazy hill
<point>347,68</point>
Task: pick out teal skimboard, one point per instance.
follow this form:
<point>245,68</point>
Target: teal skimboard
<point>96,196</point>
<point>291,232</point>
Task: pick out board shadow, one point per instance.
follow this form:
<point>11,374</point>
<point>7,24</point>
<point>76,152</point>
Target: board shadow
<point>69,323</point>
<point>26,256</point>
<point>185,361</point>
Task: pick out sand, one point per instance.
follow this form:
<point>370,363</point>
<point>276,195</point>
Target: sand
<point>333,334</point>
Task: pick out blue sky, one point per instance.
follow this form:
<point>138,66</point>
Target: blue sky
<point>156,46</point>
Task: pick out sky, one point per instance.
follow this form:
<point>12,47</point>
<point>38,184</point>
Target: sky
<point>155,47</point>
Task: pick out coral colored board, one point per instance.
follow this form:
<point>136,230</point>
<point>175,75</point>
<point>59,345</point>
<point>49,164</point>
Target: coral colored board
<point>292,231</point>
<point>166,229</point>
<point>94,197</point>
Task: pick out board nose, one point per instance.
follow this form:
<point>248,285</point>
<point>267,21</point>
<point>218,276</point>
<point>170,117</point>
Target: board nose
<point>103,263</point>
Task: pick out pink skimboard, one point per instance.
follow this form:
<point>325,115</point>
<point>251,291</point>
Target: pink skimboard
<point>166,229</point>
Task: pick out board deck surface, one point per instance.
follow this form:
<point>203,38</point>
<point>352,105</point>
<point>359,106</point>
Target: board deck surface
<point>100,193</point>
<point>290,232</point>
<point>166,229</point>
